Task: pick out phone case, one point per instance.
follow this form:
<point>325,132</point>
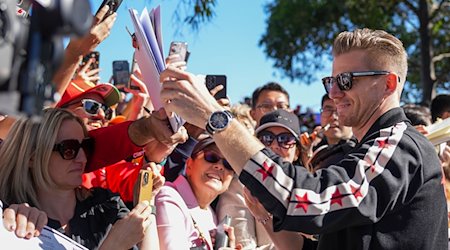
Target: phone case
<point>121,72</point>
<point>221,236</point>
<point>145,185</point>
<point>95,64</point>
<point>212,81</point>
<point>113,6</point>
<point>181,49</point>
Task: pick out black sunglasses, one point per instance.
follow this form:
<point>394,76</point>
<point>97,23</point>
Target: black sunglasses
<point>91,107</point>
<point>213,157</point>
<point>68,149</point>
<point>345,80</point>
<point>285,140</point>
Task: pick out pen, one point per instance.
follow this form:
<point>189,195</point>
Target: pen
<point>147,110</point>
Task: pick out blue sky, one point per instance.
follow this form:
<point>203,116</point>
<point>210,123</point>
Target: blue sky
<point>227,45</point>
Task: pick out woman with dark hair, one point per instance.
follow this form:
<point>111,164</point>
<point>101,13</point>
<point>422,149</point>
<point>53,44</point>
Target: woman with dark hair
<point>185,218</point>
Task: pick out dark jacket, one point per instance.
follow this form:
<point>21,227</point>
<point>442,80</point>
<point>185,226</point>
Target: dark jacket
<point>386,193</point>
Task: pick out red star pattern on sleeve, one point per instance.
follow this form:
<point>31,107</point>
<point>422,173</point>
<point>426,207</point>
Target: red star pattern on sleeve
<point>265,171</point>
<point>303,202</point>
<point>356,191</point>
<point>336,197</point>
<point>383,143</point>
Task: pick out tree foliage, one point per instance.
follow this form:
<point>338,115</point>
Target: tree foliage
<point>195,12</point>
<point>300,33</point>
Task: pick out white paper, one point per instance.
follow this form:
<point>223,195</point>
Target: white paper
<point>49,239</point>
<point>149,56</point>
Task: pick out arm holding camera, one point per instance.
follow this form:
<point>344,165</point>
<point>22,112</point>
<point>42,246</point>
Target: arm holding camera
<point>78,47</point>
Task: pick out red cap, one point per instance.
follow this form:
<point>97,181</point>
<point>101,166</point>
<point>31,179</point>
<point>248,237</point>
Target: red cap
<point>75,91</point>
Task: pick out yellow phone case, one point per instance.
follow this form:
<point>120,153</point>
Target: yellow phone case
<point>145,185</point>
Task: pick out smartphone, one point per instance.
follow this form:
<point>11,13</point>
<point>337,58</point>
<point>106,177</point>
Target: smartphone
<point>133,67</point>
<point>113,6</point>
<point>212,81</point>
<point>121,73</point>
<point>145,185</point>
<point>221,235</point>
<point>95,64</point>
<point>180,48</point>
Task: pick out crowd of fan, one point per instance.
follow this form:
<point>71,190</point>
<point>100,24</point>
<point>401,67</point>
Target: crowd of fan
<point>76,169</point>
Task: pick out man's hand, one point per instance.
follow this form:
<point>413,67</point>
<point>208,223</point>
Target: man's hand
<point>86,74</point>
<point>186,95</point>
<point>99,31</point>
<point>25,221</point>
<point>156,127</point>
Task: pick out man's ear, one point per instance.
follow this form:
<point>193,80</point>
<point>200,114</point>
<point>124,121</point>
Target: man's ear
<point>188,165</point>
<point>391,83</point>
<point>252,114</point>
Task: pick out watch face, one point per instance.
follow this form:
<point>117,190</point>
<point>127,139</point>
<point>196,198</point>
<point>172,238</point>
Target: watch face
<point>219,120</point>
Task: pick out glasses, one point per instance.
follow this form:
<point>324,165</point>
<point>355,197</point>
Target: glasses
<point>213,157</point>
<point>345,80</point>
<point>284,140</point>
<point>68,149</point>
<point>92,107</point>
<point>268,107</point>
<point>328,111</point>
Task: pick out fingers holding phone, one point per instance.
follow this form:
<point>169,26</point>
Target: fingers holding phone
<point>217,86</point>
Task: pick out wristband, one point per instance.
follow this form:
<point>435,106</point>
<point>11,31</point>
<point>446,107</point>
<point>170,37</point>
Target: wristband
<point>266,219</point>
<point>153,208</point>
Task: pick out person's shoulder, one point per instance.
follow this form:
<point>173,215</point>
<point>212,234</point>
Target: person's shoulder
<point>100,198</point>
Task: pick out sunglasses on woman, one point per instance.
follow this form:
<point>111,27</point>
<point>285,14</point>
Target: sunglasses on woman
<point>345,80</point>
<point>68,149</point>
<point>213,157</point>
<point>285,140</point>
<point>92,107</point>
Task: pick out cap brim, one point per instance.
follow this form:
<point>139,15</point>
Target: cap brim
<point>274,124</point>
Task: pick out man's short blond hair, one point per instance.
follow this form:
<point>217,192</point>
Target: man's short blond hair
<point>384,51</point>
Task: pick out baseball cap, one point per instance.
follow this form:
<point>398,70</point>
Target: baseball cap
<point>280,118</point>
<point>202,144</point>
<point>76,90</point>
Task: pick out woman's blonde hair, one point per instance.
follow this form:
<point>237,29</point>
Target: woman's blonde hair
<point>25,156</point>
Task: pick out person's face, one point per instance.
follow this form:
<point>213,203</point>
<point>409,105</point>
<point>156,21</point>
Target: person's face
<point>268,101</point>
<point>358,107</point>
<point>329,116</point>
<point>91,121</point>
<point>288,154</point>
<point>213,178</point>
<point>67,173</point>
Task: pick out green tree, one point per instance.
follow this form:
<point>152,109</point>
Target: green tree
<point>300,33</point>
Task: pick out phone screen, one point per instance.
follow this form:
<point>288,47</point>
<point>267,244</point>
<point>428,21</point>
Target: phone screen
<point>212,81</point>
<point>121,72</point>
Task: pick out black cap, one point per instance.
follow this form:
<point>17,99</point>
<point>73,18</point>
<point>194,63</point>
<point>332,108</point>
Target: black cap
<point>280,118</point>
<point>203,143</point>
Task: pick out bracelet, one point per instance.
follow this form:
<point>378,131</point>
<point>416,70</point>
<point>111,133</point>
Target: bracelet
<point>153,209</point>
<point>265,220</point>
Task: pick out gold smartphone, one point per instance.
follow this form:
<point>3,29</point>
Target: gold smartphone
<point>145,185</point>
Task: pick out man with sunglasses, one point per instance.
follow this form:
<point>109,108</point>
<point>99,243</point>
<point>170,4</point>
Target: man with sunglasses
<point>92,103</point>
<point>385,194</point>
